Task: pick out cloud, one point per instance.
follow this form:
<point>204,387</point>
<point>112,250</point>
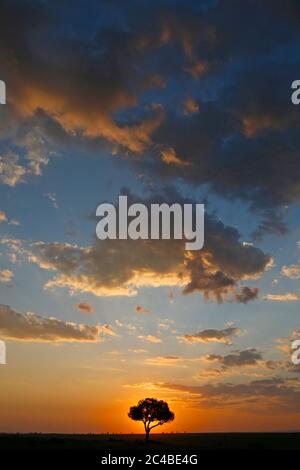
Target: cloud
<point>101,78</point>
<point>164,361</point>
<point>36,328</point>
<point>247,357</point>
<point>169,156</point>
<point>292,271</point>
<point>269,395</point>
<point>190,106</point>
<point>139,309</point>
<point>246,294</point>
<point>6,276</point>
<point>52,198</point>
<point>212,336</point>
<point>3,217</point>
<point>99,94</point>
<point>85,307</point>
<point>150,339</point>
<point>112,267</point>
<point>287,297</point>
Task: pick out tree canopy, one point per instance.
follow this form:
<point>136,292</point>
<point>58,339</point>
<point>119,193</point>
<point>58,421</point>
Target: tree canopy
<point>152,413</point>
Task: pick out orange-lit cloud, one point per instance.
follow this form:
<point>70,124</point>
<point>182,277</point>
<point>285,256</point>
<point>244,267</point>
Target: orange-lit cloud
<point>35,328</point>
<point>150,339</point>
<point>287,297</point>
<point>211,336</point>
<point>169,156</point>
<point>85,307</point>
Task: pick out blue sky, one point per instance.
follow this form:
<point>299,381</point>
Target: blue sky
<point>170,100</point>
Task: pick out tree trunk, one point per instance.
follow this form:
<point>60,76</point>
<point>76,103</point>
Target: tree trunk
<point>147,435</point>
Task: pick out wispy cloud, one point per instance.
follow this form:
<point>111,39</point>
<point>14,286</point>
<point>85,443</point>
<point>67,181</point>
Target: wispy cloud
<point>287,297</point>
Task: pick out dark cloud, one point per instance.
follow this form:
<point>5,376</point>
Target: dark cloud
<point>271,394</point>
<point>248,357</point>
<point>246,294</point>
<point>111,267</point>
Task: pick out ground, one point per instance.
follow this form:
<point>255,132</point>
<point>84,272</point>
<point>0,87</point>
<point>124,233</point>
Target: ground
<point>158,442</point>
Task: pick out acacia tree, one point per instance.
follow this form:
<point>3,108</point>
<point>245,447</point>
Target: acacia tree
<point>152,413</point>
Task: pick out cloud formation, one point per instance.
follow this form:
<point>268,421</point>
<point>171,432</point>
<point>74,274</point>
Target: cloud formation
<point>287,297</point>
<point>150,339</point>
<point>292,271</point>
<point>85,307</point>
<point>6,276</point>
<point>35,328</point>
<point>112,267</point>
<point>247,357</point>
<point>212,336</point>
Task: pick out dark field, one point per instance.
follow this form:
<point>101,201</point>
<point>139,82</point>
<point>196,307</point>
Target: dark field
<point>158,442</point>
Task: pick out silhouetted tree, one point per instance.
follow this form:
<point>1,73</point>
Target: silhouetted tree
<point>152,413</point>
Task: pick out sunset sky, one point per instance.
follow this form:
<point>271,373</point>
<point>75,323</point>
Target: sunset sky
<point>163,101</point>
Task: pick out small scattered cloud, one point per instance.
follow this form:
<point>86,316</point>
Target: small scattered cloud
<point>211,336</point>
<point>150,339</point>
<point>85,307</point>
<point>246,294</point>
<point>6,276</point>
<point>288,297</point>
<point>170,157</point>
<point>53,199</point>
<point>292,271</point>
<point>3,217</point>
<point>140,310</point>
<point>190,106</point>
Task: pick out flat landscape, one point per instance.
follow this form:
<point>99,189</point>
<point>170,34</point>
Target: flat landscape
<point>158,442</point>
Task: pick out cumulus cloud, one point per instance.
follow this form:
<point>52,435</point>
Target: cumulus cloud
<point>36,328</point>
<point>211,336</point>
<point>95,94</point>
<point>111,267</point>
